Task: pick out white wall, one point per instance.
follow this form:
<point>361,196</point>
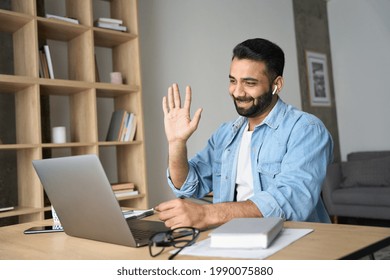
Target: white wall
<point>360,44</point>
<point>191,42</point>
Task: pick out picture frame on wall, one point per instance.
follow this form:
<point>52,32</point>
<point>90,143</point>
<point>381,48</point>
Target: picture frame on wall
<point>318,79</point>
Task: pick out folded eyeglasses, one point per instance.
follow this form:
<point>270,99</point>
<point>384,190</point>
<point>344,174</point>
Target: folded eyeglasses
<point>178,238</point>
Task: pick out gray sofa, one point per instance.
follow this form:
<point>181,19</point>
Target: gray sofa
<point>359,187</point>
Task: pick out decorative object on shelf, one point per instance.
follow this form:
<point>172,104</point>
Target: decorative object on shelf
<point>116,78</point>
<point>58,134</point>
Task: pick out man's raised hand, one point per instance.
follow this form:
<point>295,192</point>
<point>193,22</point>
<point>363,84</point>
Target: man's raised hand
<point>177,120</point>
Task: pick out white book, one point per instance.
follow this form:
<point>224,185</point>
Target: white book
<point>111,26</point>
<point>110,20</point>
<point>131,128</point>
<point>67,19</point>
<point>125,129</point>
<point>246,233</point>
<point>3,209</point>
<point>49,62</point>
<point>125,193</point>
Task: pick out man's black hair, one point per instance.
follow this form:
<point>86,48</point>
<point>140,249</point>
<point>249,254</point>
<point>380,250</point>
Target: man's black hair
<point>262,50</point>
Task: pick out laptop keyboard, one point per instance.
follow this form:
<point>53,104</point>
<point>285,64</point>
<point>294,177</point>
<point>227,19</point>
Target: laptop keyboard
<point>140,234</point>
<point>143,230</point>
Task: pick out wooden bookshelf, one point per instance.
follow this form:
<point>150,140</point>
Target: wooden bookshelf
<point>28,29</point>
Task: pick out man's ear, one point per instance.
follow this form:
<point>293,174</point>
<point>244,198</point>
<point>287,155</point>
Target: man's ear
<point>278,82</point>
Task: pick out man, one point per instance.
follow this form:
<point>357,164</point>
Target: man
<point>271,161</point>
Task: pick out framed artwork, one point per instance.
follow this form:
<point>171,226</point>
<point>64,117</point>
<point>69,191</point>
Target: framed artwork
<point>317,74</point>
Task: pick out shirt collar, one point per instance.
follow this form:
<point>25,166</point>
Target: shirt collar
<point>276,115</point>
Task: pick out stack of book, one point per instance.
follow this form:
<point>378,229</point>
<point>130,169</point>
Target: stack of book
<point>122,126</point>
<point>111,23</point>
<point>67,19</point>
<point>45,63</point>
<point>124,189</point>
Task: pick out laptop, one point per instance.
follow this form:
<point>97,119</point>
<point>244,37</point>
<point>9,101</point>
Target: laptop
<point>85,203</point>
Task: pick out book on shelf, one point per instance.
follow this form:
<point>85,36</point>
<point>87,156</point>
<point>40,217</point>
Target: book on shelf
<point>111,23</point>
<point>129,130</point>
<point>111,26</point>
<point>123,186</point>
<point>43,67</point>
<point>124,193</point>
<point>246,233</point>
<point>67,19</point>
<point>118,118</point>
<point>122,126</point>
<point>4,209</point>
<point>110,20</point>
<point>124,189</point>
<point>46,49</point>
<point>97,76</point>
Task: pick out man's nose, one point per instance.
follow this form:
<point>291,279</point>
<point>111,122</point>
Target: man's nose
<point>238,90</point>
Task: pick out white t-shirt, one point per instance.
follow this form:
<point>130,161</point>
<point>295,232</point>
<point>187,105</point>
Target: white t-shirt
<point>244,179</point>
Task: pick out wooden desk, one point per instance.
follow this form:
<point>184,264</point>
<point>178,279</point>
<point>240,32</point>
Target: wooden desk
<point>328,241</point>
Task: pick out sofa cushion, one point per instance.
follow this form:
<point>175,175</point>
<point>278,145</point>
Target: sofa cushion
<point>372,172</point>
<point>367,155</point>
<point>368,196</point>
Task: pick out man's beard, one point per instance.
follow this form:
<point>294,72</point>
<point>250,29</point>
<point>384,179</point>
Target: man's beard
<point>259,105</point>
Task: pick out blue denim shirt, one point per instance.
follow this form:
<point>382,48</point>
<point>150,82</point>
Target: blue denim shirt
<point>291,150</point>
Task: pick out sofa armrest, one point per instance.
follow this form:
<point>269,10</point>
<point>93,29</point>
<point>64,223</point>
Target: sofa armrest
<point>332,182</point>
<point>333,177</point>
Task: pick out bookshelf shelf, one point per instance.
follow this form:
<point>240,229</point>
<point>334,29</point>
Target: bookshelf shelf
<point>63,87</point>
<point>48,28</point>
<point>111,38</point>
<point>11,84</point>
<point>18,211</point>
<point>80,90</point>
<point>67,145</point>
<point>11,21</point>
<point>119,143</point>
<point>17,146</point>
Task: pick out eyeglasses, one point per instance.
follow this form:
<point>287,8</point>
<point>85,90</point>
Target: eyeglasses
<point>179,238</point>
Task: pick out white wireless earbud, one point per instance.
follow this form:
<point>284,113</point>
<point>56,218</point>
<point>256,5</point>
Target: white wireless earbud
<point>275,89</point>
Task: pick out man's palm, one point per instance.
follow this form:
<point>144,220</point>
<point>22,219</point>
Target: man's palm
<point>177,120</point>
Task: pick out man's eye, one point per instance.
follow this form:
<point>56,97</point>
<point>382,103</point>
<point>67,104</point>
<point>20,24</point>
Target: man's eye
<point>250,84</point>
<point>232,81</point>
